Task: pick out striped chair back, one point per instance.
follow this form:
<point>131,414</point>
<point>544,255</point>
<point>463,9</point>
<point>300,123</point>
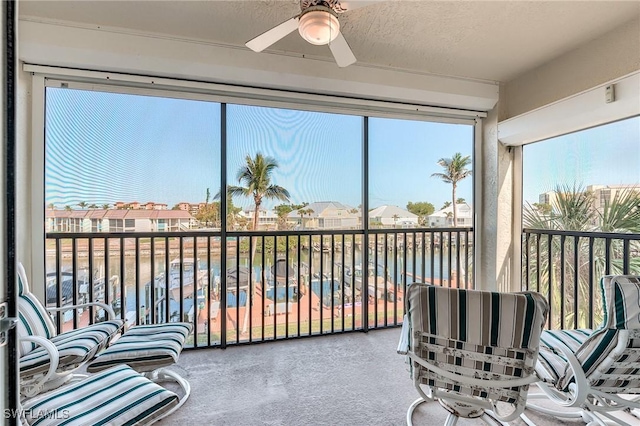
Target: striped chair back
<point>610,357</point>
<point>33,318</point>
<point>475,334</point>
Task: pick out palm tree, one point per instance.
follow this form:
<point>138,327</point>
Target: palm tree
<point>106,206</point>
<point>82,204</point>
<point>455,169</point>
<point>51,206</point>
<point>395,220</point>
<point>303,212</point>
<point>256,177</point>
<point>572,209</point>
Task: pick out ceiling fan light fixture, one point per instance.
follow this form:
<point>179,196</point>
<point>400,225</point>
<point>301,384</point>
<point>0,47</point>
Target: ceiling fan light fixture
<point>319,26</point>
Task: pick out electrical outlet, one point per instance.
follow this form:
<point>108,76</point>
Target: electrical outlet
<point>609,94</point>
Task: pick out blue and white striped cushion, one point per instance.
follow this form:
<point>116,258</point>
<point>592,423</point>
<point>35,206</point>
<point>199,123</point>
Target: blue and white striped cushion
<point>145,347</point>
<point>118,396</point>
<point>551,362</point>
<point>74,348</point>
<point>621,296</point>
<point>603,367</point>
<point>33,318</point>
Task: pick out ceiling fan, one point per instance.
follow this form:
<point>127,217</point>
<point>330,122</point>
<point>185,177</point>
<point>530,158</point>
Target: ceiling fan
<point>318,24</point>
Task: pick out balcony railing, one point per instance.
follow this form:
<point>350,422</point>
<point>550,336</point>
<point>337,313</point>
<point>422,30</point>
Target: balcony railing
<point>254,286</point>
<point>567,266</point>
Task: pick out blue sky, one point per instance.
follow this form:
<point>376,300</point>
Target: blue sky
<point>607,155</point>
<point>104,147</point>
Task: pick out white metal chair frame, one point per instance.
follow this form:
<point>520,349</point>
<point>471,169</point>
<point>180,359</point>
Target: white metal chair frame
<point>437,377</point>
<point>594,405</point>
<point>52,378</point>
<point>471,407</point>
<point>604,367</point>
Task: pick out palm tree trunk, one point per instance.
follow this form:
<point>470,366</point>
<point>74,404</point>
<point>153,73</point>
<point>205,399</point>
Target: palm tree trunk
<point>455,214</point>
<point>247,307</point>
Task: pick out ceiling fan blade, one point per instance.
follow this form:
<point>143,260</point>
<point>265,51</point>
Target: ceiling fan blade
<point>342,52</point>
<point>348,5</point>
<point>267,38</point>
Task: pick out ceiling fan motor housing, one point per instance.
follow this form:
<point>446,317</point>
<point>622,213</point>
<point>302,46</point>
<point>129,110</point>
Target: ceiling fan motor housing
<point>319,25</point>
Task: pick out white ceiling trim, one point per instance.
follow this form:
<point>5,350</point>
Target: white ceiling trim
<point>212,92</point>
<point>577,112</point>
<point>100,49</point>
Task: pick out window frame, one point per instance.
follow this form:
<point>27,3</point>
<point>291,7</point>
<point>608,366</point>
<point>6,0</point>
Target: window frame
<point>43,77</point>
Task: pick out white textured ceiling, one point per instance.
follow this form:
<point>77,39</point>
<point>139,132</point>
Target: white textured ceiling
<point>490,40</point>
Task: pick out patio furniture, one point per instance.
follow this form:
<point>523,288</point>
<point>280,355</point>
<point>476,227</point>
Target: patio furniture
<point>116,396</point>
<point>471,350</point>
<point>48,359</point>
<point>149,349</point>
<point>590,370</point>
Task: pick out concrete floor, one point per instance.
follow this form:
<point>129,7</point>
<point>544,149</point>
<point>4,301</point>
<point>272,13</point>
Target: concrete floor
<point>350,379</point>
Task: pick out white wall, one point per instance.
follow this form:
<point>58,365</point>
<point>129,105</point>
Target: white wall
<point>119,50</point>
<point>603,59</point>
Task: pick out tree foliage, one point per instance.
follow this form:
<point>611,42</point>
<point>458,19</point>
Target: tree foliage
<point>422,209</point>
<point>558,262</point>
<point>455,169</point>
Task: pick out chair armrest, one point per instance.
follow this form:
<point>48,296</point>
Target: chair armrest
<point>580,388</point>
<point>403,344</point>
<point>108,309</point>
<point>54,360</point>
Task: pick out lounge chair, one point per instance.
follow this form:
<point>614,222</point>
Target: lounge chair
<point>117,396</point>
<point>470,350</point>
<point>47,359</point>
<point>590,370</point>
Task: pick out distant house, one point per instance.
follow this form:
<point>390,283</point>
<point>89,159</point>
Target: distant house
<point>267,219</point>
<point>325,215</point>
<point>444,217</point>
<point>393,216</point>
<point>192,208</point>
<point>100,220</point>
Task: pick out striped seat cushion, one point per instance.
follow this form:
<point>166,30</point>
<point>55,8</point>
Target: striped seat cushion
<point>145,347</point>
<point>480,334</point>
<point>33,318</point>
<point>609,356</point>
<point>117,396</point>
<point>74,348</point>
<point>551,362</point>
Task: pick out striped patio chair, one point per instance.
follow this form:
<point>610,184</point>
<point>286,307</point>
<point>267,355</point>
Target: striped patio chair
<point>589,370</point>
<point>471,350</point>
<point>48,359</point>
<point>117,396</point>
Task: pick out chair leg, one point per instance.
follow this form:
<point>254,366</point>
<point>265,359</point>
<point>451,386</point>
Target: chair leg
<point>527,420</point>
<point>490,420</point>
<point>165,375</point>
<point>412,408</point>
<point>452,419</point>
<point>555,413</point>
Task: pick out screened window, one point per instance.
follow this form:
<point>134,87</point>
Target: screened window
<point>584,181</point>
<point>418,171</point>
<point>317,160</point>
